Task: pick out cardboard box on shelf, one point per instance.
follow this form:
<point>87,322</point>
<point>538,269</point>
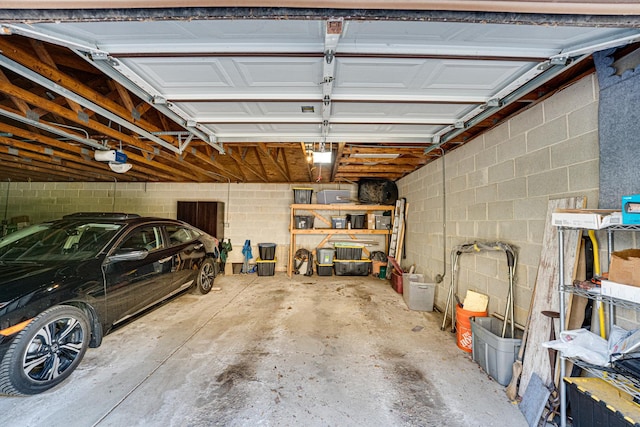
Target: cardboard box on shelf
<point>625,267</point>
<point>371,221</point>
<point>593,219</point>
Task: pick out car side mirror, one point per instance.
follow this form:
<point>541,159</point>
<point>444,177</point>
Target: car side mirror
<point>128,255</point>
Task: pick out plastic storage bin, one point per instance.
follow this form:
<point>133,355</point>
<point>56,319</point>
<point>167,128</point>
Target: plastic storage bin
<point>418,294</point>
<point>339,222</point>
<point>349,252</point>
<point>383,222</point>
<point>302,195</point>
<point>303,221</point>
<point>494,354</point>
<point>344,267</point>
<point>324,255</point>
<point>267,251</point>
<point>324,269</point>
<point>358,221</point>
<point>595,402</point>
<point>333,196</point>
<point>406,279</point>
<point>421,295</point>
<point>266,267</point>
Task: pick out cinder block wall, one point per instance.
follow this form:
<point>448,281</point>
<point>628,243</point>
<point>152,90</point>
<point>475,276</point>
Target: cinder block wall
<point>256,212</point>
<point>497,189</point>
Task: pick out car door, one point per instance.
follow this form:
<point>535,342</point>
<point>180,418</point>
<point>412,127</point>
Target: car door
<point>190,252</point>
<point>134,284</point>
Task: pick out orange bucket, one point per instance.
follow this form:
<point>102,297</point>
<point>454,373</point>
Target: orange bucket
<point>463,327</point>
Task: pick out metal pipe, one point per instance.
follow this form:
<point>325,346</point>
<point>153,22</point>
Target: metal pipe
<point>115,187</point>
<point>563,397</point>
<point>6,200</point>
<point>440,277</point>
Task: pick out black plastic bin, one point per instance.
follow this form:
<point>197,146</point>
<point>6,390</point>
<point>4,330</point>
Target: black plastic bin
<point>302,195</point>
<point>303,221</point>
<point>324,269</point>
<point>351,267</point>
<point>358,221</point>
<point>349,252</point>
<point>266,267</point>
<point>267,251</point>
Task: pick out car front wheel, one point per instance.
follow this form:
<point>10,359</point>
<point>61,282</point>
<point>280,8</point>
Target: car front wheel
<point>46,352</point>
<point>206,276</point>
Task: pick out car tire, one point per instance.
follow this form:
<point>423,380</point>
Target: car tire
<point>46,352</point>
<point>206,276</point>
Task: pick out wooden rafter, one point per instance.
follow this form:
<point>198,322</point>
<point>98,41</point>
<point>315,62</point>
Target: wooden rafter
<point>243,164</point>
<point>264,150</point>
<point>336,161</point>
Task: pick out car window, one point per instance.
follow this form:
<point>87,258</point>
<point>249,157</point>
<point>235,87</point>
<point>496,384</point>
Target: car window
<point>180,234</point>
<point>57,241</point>
<point>148,238</point>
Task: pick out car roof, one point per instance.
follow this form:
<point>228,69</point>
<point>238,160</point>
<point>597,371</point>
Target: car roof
<point>117,217</point>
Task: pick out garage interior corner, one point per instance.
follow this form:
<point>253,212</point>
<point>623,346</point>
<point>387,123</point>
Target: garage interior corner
<point>274,351</point>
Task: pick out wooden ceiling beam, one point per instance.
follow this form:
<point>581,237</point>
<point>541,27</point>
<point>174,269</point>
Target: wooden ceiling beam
<point>140,173</point>
<point>125,96</point>
<point>413,161</point>
<point>355,176</point>
<point>379,148</point>
<point>285,162</point>
<point>155,168</point>
<point>41,50</point>
<point>37,161</point>
<point>256,151</point>
<point>16,171</point>
<point>337,160</point>
<point>27,60</point>
<point>243,164</point>
<point>10,89</point>
<point>306,161</point>
<point>73,167</point>
<point>18,102</point>
<point>375,168</point>
<point>239,164</point>
<point>264,150</point>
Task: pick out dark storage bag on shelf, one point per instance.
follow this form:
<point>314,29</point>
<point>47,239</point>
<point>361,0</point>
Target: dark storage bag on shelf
<point>373,191</point>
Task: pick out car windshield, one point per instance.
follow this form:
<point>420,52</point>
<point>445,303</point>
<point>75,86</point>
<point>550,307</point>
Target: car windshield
<point>57,241</point>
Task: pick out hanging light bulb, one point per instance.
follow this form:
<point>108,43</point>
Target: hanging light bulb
<point>309,151</point>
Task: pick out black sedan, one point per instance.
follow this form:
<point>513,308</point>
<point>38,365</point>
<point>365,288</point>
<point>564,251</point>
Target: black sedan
<point>65,284</point>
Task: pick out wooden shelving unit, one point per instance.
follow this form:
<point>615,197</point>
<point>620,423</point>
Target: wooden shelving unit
<point>323,213</point>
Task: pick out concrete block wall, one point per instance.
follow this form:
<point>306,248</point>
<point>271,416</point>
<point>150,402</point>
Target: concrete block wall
<point>256,212</point>
<point>497,189</point>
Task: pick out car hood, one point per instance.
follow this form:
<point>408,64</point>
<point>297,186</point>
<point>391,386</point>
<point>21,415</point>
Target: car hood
<point>20,279</point>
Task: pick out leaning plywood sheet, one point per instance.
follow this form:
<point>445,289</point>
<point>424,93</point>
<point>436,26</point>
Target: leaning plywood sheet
<point>546,295</point>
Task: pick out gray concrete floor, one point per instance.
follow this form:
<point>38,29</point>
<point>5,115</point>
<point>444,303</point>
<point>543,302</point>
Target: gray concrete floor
<point>274,351</point>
